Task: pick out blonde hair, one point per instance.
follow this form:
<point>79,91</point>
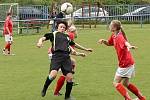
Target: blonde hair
<point>117,24</point>
<point>70,22</point>
<point>72,28</point>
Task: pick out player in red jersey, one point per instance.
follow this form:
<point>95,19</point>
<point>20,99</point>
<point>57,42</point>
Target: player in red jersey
<point>8,32</point>
<point>126,62</point>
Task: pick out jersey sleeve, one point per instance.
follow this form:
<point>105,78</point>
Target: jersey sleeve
<point>110,40</point>
<point>49,36</point>
<point>71,36</point>
<point>71,43</point>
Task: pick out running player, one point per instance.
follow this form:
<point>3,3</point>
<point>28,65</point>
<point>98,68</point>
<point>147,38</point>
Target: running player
<point>126,62</point>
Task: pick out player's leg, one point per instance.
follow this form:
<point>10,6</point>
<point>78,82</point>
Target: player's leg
<point>48,81</point>
<point>67,71</point>
<point>69,85</point>
<point>62,78</point>
<point>131,87</point>
<point>7,45</point>
<point>10,43</point>
<point>60,83</point>
<point>54,67</point>
<point>119,76</point>
<point>120,88</point>
<point>73,63</point>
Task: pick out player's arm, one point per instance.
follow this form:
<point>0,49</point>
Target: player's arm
<point>73,52</point>
<point>130,46</point>
<point>103,41</point>
<point>10,9</point>
<point>40,42</point>
<point>83,48</point>
<point>48,36</point>
<point>8,30</point>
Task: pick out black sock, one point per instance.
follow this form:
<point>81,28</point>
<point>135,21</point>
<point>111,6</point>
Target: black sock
<point>47,83</point>
<point>68,89</point>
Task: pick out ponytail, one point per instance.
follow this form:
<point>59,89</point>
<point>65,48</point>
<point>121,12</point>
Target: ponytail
<point>124,35</point>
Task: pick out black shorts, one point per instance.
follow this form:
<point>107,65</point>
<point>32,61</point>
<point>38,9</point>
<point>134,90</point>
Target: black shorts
<point>63,61</point>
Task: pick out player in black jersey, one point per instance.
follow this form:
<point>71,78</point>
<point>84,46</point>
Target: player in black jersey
<point>61,50</point>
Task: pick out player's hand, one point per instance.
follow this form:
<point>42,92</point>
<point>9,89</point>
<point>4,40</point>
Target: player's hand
<point>133,47</point>
<point>82,54</point>
<point>89,49</point>
<point>100,41</point>
<point>73,51</point>
<point>39,45</point>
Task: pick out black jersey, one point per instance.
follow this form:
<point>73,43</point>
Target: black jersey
<point>60,41</point>
<point>60,15</point>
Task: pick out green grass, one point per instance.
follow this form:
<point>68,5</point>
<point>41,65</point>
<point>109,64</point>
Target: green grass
<point>22,76</point>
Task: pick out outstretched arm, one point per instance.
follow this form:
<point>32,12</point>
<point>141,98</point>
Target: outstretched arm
<point>130,46</point>
<point>83,48</point>
<point>103,41</point>
<point>73,52</point>
<point>10,9</point>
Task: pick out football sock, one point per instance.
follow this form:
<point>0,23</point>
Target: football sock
<point>135,90</point>
<point>9,49</point>
<point>68,89</point>
<point>47,82</point>
<point>121,89</point>
<point>73,69</point>
<point>59,85</point>
<point>7,46</point>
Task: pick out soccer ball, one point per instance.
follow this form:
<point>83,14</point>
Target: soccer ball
<point>67,8</point>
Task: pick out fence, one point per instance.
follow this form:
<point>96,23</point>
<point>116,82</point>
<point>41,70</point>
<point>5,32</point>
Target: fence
<point>83,14</point>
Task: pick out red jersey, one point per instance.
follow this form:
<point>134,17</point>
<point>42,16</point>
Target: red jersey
<point>72,37</point>
<point>8,23</point>
<point>124,56</point>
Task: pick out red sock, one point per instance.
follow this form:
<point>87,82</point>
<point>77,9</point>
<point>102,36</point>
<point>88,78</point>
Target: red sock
<point>73,67</point>
<point>59,85</point>
<point>135,90</point>
<point>120,88</point>
<point>7,46</point>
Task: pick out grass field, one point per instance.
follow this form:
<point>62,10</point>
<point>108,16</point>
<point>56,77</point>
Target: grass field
<point>22,76</point>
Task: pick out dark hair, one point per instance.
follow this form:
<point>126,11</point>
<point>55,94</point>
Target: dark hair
<point>8,13</point>
<point>62,22</point>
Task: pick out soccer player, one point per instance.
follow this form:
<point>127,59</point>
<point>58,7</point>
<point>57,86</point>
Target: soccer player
<point>72,32</point>
<point>8,32</point>
<point>57,18</point>
<point>60,58</point>
<point>126,62</point>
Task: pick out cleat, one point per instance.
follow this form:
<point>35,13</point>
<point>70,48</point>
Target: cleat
<point>43,93</point>
<point>143,98</point>
<point>70,98</point>
<point>4,52</point>
<point>74,84</point>
<point>11,54</point>
<point>58,94</point>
